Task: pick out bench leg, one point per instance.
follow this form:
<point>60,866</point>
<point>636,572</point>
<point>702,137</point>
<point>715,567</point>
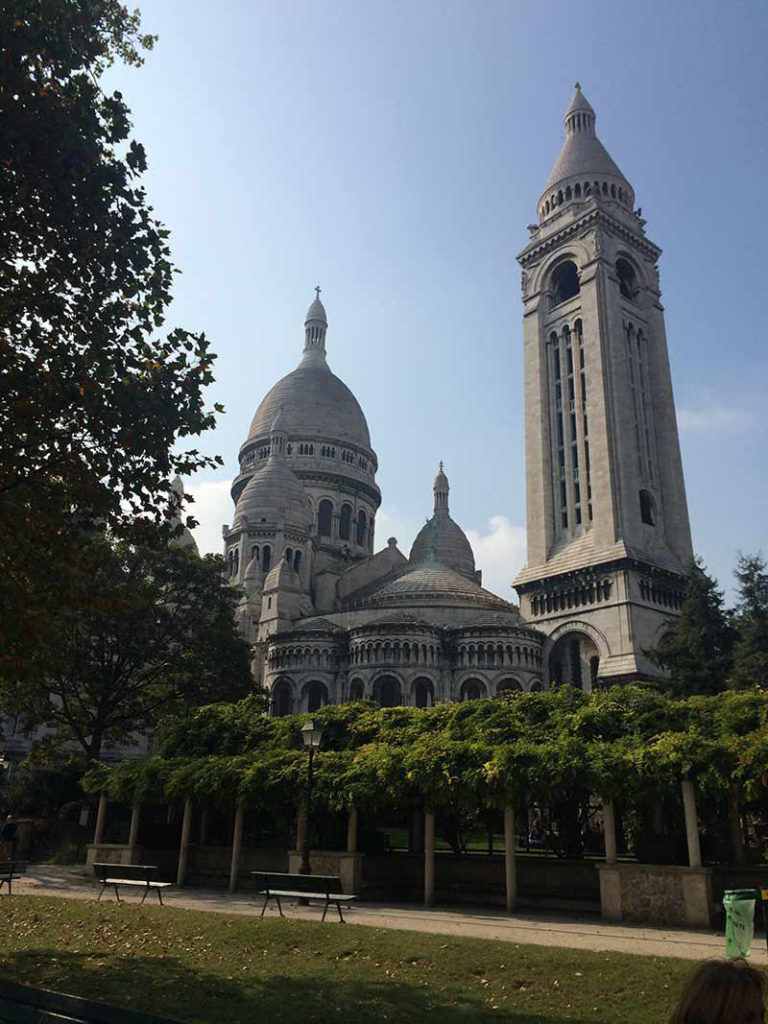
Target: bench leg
<point>145,894</point>
<point>103,888</point>
<point>10,892</point>
<point>279,906</point>
<point>341,916</point>
<point>264,905</point>
<point>2,883</point>
<point>117,894</point>
<point>325,910</point>
<point>160,896</point>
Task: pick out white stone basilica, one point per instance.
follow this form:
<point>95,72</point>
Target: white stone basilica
<point>332,619</point>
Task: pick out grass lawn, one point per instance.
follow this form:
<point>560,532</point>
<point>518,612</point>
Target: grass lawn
<point>222,969</point>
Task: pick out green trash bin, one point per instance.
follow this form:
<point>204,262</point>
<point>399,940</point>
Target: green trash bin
<point>739,907</point>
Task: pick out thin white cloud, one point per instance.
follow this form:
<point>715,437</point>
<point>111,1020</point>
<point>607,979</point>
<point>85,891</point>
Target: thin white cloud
<point>500,553</point>
<point>714,417</point>
<point>211,508</point>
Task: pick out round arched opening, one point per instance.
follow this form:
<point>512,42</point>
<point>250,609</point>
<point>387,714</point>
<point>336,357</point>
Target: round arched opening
<point>316,695</point>
<point>423,693</point>
<point>575,661</point>
<point>472,689</point>
<point>627,278</point>
<point>387,692</point>
<point>356,689</point>
<point>282,699</point>
<point>507,687</point>
<point>564,283</point>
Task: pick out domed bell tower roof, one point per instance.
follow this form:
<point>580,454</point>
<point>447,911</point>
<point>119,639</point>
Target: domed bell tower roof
<point>583,158</point>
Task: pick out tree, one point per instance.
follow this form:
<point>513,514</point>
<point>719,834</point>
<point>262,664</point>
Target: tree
<point>149,629</point>
<point>95,405</point>
<point>750,663</point>
<point>697,648</point>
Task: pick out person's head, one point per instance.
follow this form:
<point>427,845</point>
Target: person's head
<point>722,992</point>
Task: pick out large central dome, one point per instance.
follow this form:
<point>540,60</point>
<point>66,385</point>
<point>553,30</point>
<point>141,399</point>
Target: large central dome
<point>313,402</point>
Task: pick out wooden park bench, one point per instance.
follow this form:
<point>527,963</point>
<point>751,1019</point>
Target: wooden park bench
<point>10,870</point>
<point>20,1004</point>
<point>308,887</point>
<point>136,875</point>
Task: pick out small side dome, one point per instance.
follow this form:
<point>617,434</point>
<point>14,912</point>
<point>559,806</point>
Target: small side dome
<point>272,494</point>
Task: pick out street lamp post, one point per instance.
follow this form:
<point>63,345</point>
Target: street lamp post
<point>312,734</point>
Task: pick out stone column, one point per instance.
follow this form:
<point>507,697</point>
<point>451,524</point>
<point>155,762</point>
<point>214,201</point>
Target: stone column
<point>737,836</point>
<point>510,863</point>
<point>429,857</point>
<point>186,828</point>
<point>609,831</point>
<point>133,832</point>
<point>237,847</point>
<point>204,821</point>
<point>691,824</point>
<point>101,814</point>
<point>352,831</point>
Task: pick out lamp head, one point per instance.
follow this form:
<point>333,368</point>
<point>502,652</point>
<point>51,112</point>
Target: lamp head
<point>312,734</point>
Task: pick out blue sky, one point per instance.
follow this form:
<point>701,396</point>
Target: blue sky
<point>395,153</point>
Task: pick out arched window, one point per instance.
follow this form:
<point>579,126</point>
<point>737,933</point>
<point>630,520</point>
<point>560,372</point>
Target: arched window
<point>647,508</point>
<point>356,689</point>
<point>472,689</point>
<point>236,562</point>
<point>564,282</point>
<point>362,528</point>
<point>626,275</point>
<point>324,517</point>
<point>316,694</point>
<point>345,522</point>
<point>297,560</point>
<point>282,699</point>
<point>387,692</point>
<point>255,553</point>
<point>423,693</point>
<point>266,558</point>
<point>508,686</point>
<point>577,190</point>
<point>288,555</point>
<point>536,686</point>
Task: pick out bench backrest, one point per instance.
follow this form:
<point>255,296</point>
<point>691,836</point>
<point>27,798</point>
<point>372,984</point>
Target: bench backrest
<point>132,872</point>
<point>12,867</point>
<point>24,1004</point>
<point>298,883</point>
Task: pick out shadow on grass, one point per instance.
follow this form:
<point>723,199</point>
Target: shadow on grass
<point>168,987</point>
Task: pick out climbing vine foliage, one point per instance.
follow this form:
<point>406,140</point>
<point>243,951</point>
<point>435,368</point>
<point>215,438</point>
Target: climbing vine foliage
<point>535,746</point>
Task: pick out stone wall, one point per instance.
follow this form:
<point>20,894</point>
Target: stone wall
<point>656,894</point>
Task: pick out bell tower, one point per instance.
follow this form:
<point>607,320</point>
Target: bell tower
<point>607,518</point>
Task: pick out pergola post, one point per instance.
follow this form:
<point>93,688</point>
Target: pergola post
<point>609,831</point>
<point>186,828</point>
<point>204,819</point>
<point>737,836</point>
<point>429,857</point>
<point>237,847</point>
<point>691,824</point>
<point>101,815</point>
<point>133,831</point>
<point>510,862</point>
<point>352,830</point>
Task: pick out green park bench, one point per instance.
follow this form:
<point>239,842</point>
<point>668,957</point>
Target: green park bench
<point>10,870</point>
<point>20,1004</point>
<point>140,876</point>
<point>308,887</point>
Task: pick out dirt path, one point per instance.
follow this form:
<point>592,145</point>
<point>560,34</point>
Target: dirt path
<point>539,928</point>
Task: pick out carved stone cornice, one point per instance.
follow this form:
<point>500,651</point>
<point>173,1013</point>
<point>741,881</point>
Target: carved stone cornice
<point>596,218</point>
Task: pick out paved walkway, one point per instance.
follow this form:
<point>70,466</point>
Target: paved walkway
<point>540,928</point>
